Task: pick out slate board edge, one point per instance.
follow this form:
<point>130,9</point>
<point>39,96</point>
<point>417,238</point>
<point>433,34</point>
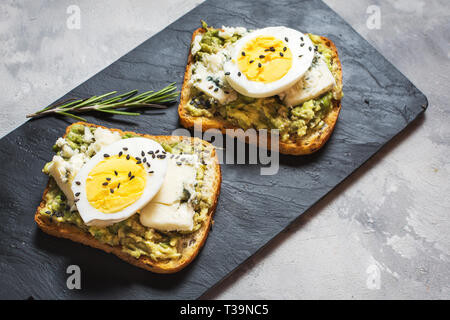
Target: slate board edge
<point>425,106</point>
<point>268,243</point>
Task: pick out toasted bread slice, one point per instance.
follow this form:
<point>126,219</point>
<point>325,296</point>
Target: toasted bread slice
<point>306,145</point>
<point>193,242</point>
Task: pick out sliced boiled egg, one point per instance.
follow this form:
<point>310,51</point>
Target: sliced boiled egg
<point>119,180</point>
<point>268,61</point>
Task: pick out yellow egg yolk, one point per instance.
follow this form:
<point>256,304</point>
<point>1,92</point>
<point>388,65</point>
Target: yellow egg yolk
<point>265,59</point>
<point>115,183</point>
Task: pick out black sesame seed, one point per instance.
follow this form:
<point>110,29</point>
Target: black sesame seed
<point>302,44</point>
<point>216,89</point>
<point>316,48</point>
<point>239,74</point>
<point>262,56</point>
<point>125,148</point>
<point>161,156</point>
<point>129,174</point>
<point>120,154</point>
<point>157,151</point>
<point>309,48</point>
<point>243,53</point>
<point>137,158</point>
<point>151,171</point>
<point>153,156</point>
<point>259,65</point>
<point>142,153</point>
<point>301,38</point>
<point>150,152</point>
<point>111,190</point>
<point>177,157</point>
<point>226,92</point>
<point>138,162</point>
<point>284,49</point>
<point>179,163</point>
<point>286,39</point>
<point>109,179</point>
<point>105,183</point>
<point>118,186</point>
<point>266,50</point>
<point>251,61</point>
<point>192,102</point>
<point>132,177</point>
<point>48,212</point>
<point>106,155</point>
<point>115,172</point>
<point>128,157</point>
<point>171,157</point>
<point>227,73</point>
<point>77,194</point>
<point>281,54</point>
<point>300,56</point>
<point>148,164</point>
<point>76,200</point>
<point>77,183</point>
<point>272,49</point>
<point>144,160</point>
<point>210,87</point>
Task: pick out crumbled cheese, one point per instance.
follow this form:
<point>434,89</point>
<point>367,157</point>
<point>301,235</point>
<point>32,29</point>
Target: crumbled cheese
<point>178,216</point>
<point>88,136</point>
<point>103,138</point>
<point>169,210</point>
<point>196,44</point>
<point>63,172</point>
<point>317,80</point>
<point>60,142</point>
<point>209,77</point>
<point>228,32</point>
<point>67,151</point>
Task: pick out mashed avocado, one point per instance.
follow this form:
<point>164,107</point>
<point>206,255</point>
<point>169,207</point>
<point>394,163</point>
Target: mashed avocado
<point>130,234</point>
<point>264,113</point>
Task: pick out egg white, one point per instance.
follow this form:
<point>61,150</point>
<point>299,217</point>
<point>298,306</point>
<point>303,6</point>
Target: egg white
<point>94,217</point>
<point>302,56</point>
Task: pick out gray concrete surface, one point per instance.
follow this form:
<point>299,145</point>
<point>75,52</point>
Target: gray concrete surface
<point>383,234</point>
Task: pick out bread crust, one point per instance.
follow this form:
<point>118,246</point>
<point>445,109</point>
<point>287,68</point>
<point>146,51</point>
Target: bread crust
<point>69,231</point>
<point>306,145</point>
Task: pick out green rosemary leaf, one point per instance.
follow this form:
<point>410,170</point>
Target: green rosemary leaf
<point>127,100</point>
<point>70,115</point>
<point>120,112</point>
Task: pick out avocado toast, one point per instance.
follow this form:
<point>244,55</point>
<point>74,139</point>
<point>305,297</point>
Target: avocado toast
<point>304,127</point>
<point>160,251</point>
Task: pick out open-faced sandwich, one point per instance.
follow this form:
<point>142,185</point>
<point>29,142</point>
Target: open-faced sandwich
<point>147,199</point>
<point>271,78</point>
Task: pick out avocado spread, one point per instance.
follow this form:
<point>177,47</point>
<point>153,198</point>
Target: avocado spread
<point>130,234</point>
<point>293,122</point>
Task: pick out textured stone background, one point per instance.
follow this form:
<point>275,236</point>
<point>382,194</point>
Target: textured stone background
<point>384,233</point>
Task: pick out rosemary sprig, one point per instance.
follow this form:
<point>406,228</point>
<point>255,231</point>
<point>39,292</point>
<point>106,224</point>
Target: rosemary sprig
<point>108,104</point>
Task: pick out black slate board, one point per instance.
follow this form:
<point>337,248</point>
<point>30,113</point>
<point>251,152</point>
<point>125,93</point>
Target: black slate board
<point>252,208</point>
